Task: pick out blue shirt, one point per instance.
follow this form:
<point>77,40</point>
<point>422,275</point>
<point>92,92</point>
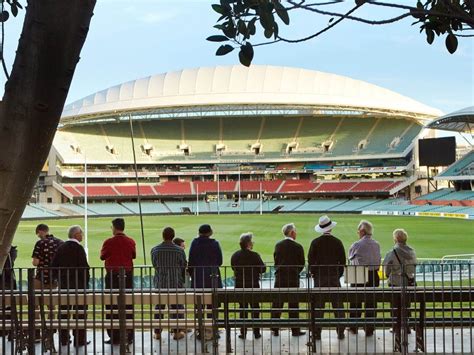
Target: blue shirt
<point>365,251</point>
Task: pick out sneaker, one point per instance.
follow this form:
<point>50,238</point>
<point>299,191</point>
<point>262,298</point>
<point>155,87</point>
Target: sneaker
<point>341,335</point>
<point>257,335</point>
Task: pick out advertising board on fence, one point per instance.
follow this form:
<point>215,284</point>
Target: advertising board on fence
<point>420,214</point>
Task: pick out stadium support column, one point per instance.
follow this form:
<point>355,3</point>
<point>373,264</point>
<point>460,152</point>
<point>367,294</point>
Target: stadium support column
<point>261,199</point>
<point>218,191</point>
<point>86,245</point>
<point>240,206</point>
<point>197,199</point>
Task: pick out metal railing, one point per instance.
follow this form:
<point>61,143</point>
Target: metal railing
<point>360,312</point>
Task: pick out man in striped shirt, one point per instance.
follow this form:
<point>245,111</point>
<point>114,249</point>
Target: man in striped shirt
<point>169,261</point>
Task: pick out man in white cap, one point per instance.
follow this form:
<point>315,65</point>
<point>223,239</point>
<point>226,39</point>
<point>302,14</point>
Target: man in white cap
<point>326,259</point>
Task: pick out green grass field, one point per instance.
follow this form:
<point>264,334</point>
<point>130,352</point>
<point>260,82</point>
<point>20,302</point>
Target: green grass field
<point>431,237</point>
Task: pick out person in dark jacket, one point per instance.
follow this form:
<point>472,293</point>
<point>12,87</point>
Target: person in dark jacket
<point>289,262</point>
<point>326,259</point>
<point>247,266</point>
<point>205,258</point>
<point>71,270</point>
<point>8,283</point>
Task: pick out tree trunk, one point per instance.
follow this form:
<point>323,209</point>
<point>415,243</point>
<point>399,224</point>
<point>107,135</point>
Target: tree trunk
<point>53,34</point>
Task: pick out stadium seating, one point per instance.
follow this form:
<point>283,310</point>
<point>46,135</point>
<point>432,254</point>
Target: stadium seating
<point>211,186</point>
<point>462,167</point>
<point>174,188</point>
<point>372,186</point>
<point>292,186</point>
<point>165,140</point>
<point>270,186</point>
<point>94,190</point>
<point>132,190</point>
<point>335,186</point>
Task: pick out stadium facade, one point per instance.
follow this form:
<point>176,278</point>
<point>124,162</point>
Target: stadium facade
<point>231,130</point>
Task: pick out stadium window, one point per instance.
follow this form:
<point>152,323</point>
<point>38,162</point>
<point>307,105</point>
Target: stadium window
<point>362,144</point>
<point>111,149</point>
<point>327,146</point>
<point>290,147</point>
<point>256,148</point>
<point>147,149</point>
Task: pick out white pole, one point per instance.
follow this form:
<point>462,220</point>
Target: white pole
<point>86,246</point>
<point>218,192</point>
<point>261,200</point>
<point>197,200</point>
<point>240,207</point>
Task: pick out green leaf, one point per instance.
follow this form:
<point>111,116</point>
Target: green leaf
<point>251,26</point>
<point>268,33</point>
<point>14,9</point>
<point>246,54</point>
<point>242,28</point>
<point>218,8</point>
<point>282,12</point>
<point>217,38</point>
<point>230,31</point>
<point>224,49</point>
<point>430,36</point>
<point>4,16</point>
<point>451,43</point>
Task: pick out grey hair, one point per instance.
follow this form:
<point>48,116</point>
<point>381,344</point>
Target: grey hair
<point>400,236</point>
<point>366,226</point>
<point>287,228</point>
<point>245,239</point>
<point>73,230</point>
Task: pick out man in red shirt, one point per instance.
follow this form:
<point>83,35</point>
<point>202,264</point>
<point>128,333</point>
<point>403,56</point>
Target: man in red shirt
<point>118,252</point>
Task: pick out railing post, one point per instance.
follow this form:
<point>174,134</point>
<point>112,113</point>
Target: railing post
<point>215,314</point>
<point>31,312</point>
<point>404,312</point>
<point>122,311</point>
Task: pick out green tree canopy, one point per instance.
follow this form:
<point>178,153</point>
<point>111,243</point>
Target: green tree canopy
<point>240,20</point>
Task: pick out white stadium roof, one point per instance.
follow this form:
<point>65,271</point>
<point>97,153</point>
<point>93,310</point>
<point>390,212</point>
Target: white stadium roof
<point>239,85</point>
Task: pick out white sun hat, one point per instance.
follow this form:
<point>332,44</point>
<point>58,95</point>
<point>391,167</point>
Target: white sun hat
<point>325,225</point>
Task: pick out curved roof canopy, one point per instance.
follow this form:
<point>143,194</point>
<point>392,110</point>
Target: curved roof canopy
<point>458,121</point>
<point>238,85</point>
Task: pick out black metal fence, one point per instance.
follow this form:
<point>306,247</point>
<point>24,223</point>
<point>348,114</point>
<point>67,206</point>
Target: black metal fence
<point>427,309</point>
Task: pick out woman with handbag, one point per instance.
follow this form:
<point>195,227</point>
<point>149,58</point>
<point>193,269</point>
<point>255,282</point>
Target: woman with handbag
<point>400,268</point>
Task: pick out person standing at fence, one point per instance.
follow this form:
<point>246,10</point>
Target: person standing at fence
<point>42,257</point>
<point>7,284</point>
<point>118,253</point>
<point>366,252</point>
<point>326,259</point>
<point>289,262</point>
<point>248,267</point>
<point>205,258</point>
<point>169,261</point>
<point>400,266</point>
<point>71,271</point>
<point>187,278</point>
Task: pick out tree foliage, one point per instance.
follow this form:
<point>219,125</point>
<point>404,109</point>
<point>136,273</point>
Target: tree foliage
<point>240,20</point>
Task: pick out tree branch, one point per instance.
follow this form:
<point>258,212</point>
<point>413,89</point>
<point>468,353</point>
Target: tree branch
<point>323,30</point>
<point>353,18</point>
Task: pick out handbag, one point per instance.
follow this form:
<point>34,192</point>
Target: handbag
<point>411,280</point>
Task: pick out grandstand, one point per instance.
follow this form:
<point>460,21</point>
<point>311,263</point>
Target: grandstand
<point>301,140</point>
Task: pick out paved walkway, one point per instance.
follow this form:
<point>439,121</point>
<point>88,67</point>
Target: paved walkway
<point>438,341</point>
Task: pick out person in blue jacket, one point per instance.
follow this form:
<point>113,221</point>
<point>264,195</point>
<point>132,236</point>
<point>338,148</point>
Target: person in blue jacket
<point>205,258</point>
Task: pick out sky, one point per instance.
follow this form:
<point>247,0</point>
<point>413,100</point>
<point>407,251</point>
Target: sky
<point>132,39</point>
